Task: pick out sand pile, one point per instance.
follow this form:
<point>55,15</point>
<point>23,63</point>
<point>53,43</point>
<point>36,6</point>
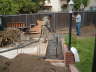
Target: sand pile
<point>29,63</point>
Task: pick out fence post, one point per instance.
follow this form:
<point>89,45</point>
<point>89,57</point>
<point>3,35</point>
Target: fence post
<point>26,21</point>
<point>94,57</point>
<point>70,30</point>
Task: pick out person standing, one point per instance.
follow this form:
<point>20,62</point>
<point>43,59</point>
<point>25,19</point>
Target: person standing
<point>78,23</point>
<point>46,28</point>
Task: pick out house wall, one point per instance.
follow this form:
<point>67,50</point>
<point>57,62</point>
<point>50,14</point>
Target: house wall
<point>56,5</point>
<point>91,3</point>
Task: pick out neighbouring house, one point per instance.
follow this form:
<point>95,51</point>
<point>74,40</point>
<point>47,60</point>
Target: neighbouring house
<point>91,5</point>
<point>55,5</point>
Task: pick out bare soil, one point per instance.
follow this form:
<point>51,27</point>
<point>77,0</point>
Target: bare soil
<point>88,30</point>
<point>4,63</point>
<point>27,63</point>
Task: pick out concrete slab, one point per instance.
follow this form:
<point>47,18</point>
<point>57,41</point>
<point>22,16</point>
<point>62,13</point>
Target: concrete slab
<point>37,49</point>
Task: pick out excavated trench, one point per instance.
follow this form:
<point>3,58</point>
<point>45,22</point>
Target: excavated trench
<point>24,61</point>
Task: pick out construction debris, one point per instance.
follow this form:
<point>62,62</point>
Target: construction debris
<point>9,36</point>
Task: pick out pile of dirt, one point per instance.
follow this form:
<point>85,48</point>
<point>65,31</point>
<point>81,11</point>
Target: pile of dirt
<point>29,63</point>
<point>4,64</point>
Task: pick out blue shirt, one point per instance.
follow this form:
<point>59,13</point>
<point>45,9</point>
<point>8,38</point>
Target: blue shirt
<point>78,18</point>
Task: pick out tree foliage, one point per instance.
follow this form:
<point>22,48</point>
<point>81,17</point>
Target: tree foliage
<point>85,2</point>
<point>26,6</point>
<point>79,2</point>
<point>7,7</point>
<point>19,6</point>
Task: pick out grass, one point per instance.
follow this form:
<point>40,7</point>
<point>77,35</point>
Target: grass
<point>85,48</point>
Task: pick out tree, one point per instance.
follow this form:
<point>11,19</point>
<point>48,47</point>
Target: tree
<point>28,6</point>
<point>85,2</point>
<point>78,3</point>
<point>7,7</point>
<point>19,6</point>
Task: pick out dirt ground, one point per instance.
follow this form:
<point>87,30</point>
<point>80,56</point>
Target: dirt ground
<point>27,63</point>
<point>4,63</point>
<point>88,30</point>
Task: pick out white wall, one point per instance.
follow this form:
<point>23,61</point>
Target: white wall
<point>56,5</point>
<point>92,2</point>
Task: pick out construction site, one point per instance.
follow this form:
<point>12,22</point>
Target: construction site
<point>26,45</point>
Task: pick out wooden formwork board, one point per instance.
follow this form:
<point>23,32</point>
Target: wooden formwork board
<point>54,61</point>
